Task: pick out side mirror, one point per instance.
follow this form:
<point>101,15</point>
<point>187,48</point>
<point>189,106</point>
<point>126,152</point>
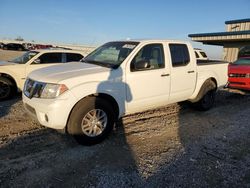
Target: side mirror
<point>37,61</point>
<point>142,65</point>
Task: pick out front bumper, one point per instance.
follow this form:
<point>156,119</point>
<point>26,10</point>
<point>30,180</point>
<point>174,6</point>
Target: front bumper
<point>52,113</point>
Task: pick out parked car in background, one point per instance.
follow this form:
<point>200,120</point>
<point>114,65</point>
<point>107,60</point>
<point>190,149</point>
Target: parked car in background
<point>40,46</point>
<point>239,71</point>
<point>13,73</point>
<point>200,54</point>
<point>1,45</point>
<point>120,78</point>
<point>14,46</point>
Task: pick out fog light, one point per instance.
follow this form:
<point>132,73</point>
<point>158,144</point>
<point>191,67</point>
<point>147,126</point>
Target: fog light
<point>46,118</point>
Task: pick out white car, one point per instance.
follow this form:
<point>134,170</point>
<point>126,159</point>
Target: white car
<point>119,78</point>
<point>13,73</point>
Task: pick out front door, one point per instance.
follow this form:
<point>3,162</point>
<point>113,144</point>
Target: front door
<point>147,79</point>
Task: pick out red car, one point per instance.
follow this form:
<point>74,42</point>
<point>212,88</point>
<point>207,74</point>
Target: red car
<point>239,74</point>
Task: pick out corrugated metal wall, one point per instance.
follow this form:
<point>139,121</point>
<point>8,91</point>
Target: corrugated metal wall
<point>231,50</point>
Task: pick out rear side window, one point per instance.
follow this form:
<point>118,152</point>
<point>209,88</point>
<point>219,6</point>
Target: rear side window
<point>51,58</point>
<point>196,55</point>
<point>73,57</point>
<point>179,54</point>
<point>203,54</point>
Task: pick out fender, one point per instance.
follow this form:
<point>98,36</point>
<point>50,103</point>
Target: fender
<point>13,76</point>
<point>201,80</point>
<point>112,89</point>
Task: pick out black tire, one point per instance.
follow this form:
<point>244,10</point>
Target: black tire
<point>7,88</point>
<point>207,101</point>
<point>80,111</point>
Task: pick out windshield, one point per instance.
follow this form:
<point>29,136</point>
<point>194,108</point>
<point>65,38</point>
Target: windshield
<point>111,54</point>
<point>244,52</point>
<point>25,57</point>
<point>242,61</point>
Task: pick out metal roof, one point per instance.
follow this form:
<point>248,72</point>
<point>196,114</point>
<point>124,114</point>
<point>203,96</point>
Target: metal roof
<point>237,21</point>
<point>220,34</point>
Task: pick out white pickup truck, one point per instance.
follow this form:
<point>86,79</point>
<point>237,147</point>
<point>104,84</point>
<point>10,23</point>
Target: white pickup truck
<point>119,78</point>
<point>13,73</point>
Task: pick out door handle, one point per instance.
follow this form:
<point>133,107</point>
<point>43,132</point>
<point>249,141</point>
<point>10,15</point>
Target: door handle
<point>190,72</point>
<point>165,75</point>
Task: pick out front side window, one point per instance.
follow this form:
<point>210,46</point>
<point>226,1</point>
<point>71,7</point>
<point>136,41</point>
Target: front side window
<point>25,57</point>
<point>51,58</point>
<point>179,54</point>
<point>111,54</point>
<point>149,57</point>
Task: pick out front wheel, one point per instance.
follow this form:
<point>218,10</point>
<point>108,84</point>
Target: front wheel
<point>91,121</point>
<point>7,88</point>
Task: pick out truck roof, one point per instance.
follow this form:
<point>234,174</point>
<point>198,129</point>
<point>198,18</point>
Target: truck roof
<point>151,40</point>
<point>58,50</point>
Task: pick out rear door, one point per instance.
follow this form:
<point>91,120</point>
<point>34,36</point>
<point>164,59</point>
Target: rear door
<point>183,72</point>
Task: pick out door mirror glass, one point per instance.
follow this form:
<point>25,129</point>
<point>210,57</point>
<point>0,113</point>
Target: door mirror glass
<point>142,65</point>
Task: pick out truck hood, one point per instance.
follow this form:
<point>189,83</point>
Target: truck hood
<point>57,73</point>
<point>5,63</point>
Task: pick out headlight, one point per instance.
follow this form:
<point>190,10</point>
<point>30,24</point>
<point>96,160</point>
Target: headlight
<point>50,91</point>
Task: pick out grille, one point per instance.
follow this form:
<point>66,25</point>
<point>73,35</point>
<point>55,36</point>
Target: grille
<point>237,75</point>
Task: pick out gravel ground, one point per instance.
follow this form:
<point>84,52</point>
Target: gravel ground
<point>173,146</point>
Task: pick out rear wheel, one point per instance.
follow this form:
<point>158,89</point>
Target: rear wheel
<point>91,121</point>
<point>7,88</point>
<point>207,101</point>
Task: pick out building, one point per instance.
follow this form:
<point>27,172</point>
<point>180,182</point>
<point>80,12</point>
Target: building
<point>237,36</point>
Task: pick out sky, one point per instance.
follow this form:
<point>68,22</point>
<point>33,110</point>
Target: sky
<point>94,22</point>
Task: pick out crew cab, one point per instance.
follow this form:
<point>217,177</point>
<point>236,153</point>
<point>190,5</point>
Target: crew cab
<point>119,78</point>
<point>13,73</point>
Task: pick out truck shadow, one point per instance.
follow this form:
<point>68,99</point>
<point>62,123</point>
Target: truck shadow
<point>164,147</point>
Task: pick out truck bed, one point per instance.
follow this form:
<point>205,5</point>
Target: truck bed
<point>210,62</point>
<point>216,68</point>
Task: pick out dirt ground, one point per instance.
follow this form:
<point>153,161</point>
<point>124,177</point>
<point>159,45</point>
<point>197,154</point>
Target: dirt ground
<point>173,146</point>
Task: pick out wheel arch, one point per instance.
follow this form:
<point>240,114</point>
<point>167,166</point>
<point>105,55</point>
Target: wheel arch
<point>104,96</point>
<point>208,84</point>
<point>10,78</point>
